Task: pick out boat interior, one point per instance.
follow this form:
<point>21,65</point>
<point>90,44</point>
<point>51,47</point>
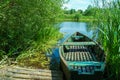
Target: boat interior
<point>81,48</point>
<point>83,53</point>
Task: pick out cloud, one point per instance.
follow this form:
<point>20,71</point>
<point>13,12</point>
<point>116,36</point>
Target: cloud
<point>66,5</point>
<point>78,4</point>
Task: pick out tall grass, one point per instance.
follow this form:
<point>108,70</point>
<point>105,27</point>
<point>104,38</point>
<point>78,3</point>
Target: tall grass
<point>109,24</point>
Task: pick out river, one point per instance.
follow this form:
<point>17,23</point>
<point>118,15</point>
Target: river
<point>82,27</point>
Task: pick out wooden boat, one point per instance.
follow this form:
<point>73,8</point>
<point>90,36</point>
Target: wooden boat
<point>81,58</point>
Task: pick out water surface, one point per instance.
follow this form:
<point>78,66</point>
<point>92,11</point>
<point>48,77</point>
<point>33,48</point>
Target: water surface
<point>82,27</point>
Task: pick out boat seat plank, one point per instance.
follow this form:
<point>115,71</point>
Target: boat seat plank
<point>78,37</point>
<point>79,43</point>
<point>78,56</point>
<point>90,58</point>
<point>85,63</point>
<point>67,54</point>
<point>81,56</point>
<point>72,56</point>
<point>75,56</point>
<point>79,53</point>
<point>87,56</point>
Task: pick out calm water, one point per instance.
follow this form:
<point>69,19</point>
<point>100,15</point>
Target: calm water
<point>82,27</point>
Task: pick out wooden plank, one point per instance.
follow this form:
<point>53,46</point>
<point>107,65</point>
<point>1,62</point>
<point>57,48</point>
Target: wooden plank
<point>52,74</point>
<point>87,56</point>
<point>74,51</point>
<point>81,58</point>
<point>84,56</point>
<point>39,70</point>
<point>66,57</point>
<point>90,57</point>
<point>75,56</point>
<point>9,78</point>
<point>31,76</point>
<point>63,54</point>
<point>72,56</point>
<point>84,63</point>
<point>69,56</point>
<point>78,37</point>
<point>18,73</point>
<point>79,43</point>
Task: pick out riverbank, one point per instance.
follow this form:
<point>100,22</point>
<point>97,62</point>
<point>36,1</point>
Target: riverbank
<point>80,20</point>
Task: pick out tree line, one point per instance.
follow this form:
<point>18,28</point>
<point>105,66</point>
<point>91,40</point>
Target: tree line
<point>79,14</point>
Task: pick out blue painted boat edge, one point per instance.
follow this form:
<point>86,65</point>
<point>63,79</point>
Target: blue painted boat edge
<point>86,63</point>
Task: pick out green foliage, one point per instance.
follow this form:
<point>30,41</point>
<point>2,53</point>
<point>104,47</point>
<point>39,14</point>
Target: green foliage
<point>109,23</point>
<point>27,25</point>
<point>90,11</point>
<point>34,59</point>
<point>71,11</point>
<point>77,17</point>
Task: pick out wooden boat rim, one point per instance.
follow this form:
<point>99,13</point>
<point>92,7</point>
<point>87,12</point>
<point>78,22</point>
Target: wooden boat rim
<point>79,43</point>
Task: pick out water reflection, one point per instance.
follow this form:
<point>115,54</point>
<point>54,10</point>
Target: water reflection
<point>82,27</point>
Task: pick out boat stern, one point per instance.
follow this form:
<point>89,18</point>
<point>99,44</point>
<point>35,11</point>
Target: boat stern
<point>86,70</point>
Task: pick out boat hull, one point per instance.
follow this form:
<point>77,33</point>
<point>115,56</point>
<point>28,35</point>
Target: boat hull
<point>81,58</point>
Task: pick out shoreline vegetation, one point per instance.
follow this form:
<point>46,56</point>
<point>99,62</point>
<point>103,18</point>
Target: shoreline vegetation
<point>27,31</point>
<point>80,20</point>
<point>108,20</point>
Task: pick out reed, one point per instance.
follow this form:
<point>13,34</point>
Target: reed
<point>109,24</point>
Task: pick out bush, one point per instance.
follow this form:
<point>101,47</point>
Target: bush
<point>27,24</point>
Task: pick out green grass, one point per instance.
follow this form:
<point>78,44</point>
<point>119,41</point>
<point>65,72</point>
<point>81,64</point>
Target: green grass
<point>109,24</point>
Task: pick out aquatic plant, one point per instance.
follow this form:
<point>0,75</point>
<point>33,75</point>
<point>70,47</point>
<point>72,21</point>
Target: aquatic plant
<point>109,24</point>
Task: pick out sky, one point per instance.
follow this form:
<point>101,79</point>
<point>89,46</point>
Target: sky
<point>78,4</point>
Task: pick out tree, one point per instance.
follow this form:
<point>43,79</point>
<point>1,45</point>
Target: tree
<point>80,11</point>
<point>72,11</point>
<point>90,11</point>
<point>26,24</point>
